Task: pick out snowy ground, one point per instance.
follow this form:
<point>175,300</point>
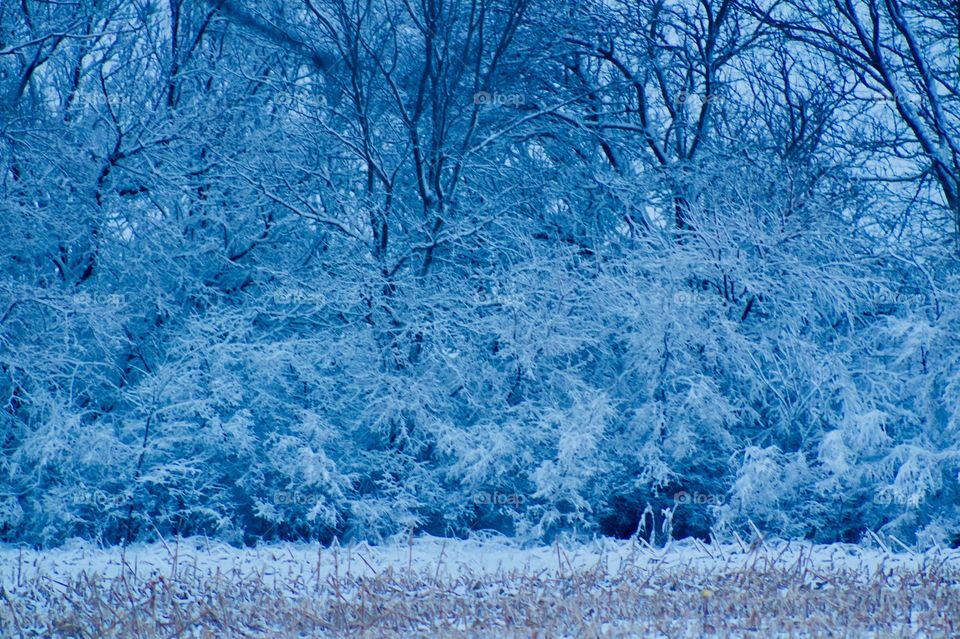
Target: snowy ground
<point>445,588</point>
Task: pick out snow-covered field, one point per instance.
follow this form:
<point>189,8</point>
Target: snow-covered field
<point>446,588</point>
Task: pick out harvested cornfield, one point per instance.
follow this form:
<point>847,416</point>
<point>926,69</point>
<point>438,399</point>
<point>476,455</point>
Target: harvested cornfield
<point>446,588</point>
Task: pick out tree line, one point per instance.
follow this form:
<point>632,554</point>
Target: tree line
<point>322,268</point>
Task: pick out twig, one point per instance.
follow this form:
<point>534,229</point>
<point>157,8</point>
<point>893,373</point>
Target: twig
<point>13,612</point>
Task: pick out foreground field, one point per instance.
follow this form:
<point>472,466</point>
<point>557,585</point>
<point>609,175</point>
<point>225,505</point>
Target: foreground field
<point>437,588</point>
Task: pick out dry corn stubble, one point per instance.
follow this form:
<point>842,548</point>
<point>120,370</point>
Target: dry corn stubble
<point>755,594</point>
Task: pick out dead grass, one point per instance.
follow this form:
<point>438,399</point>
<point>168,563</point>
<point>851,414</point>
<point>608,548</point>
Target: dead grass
<point>759,595</point>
